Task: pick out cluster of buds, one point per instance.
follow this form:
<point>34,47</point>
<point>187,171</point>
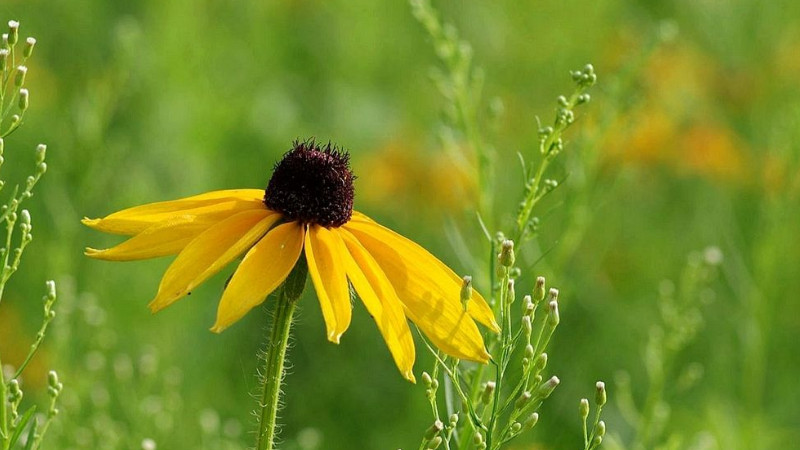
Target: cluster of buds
<point>431,386</point>
<point>550,141</point>
<point>15,395</point>
<point>25,226</point>
<point>598,431</point>
<point>13,68</point>
<point>479,440</point>
<point>584,78</point>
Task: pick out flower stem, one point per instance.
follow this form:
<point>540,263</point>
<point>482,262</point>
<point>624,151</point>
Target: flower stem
<point>276,354</point>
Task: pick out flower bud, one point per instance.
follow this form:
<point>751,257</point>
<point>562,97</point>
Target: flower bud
<point>24,99</point>
<point>14,392</point>
<point>453,420</point>
<point>538,290</point>
<point>41,152</point>
<point>600,396</point>
<point>477,438</point>
<point>601,429</point>
<point>547,388</point>
<point>52,379</point>
<point>27,51</point>
<point>25,217</point>
<point>511,294</point>
<point>426,379</point>
<point>3,59</point>
<point>552,313</point>
<point>506,257</point>
<point>583,409</point>
<point>434,430</point>
<point>50,285</point>
<point>541,362</point>
<point>531,421</point>
<point>522,400</point>
<point>19,78</point>
<point>13,32</point>
<point>527,327</point>
<point>434,443</point>
<point>488,390</point>
<point>516,427</point>
<point>528,351</point>
<point>527,306</point>
<point>466,291</point>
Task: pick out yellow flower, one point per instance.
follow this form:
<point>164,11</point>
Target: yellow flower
<point>306,209</point>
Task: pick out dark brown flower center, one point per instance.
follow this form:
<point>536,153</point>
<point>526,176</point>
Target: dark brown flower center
<point>312,184</point>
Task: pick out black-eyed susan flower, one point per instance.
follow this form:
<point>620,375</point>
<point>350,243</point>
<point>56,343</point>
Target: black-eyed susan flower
<point>306,209</point>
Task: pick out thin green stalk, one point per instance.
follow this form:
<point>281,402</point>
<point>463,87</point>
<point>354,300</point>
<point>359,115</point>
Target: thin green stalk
<point>550,145</point>
<point>456,384</point>
<point>590,439</point>
<point>49,315</point>
<point>504,354</point>
<point>275,354</point>
<point>3,413</point>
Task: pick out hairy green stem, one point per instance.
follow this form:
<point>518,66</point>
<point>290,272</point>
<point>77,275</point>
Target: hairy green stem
<point>275,354</point>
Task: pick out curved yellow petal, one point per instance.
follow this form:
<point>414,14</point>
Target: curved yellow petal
<point>163,238</point>
<point>430,297</point>
<point>209,252</point>
<point>361,216</point>
<point>324,251</point>
<point>215,205</point>
<point>380,299</point>
<point>261,271</point>
<point>477,307</point>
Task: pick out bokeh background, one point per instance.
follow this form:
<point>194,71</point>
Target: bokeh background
<point>691,140</point>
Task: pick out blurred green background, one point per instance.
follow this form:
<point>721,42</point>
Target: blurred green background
<point>691,140</point>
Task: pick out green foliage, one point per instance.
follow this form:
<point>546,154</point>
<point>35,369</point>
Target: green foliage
<point>18,428</point>
<point>502,405</point>
<point>690,140</point>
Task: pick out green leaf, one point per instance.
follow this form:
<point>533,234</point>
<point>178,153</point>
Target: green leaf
<point>21,425</point>
<point>31,435</point>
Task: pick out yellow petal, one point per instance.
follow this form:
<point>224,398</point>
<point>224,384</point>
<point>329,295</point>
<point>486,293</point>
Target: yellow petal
<point>215,205</point>
<point>431,297</point>
<point>324,251</point>
<point>261,271</point>
<point>380,299</point>
<point>163,238</point>
<point>477,307</point>
<point>209,252</point>
<point>360,216</point>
